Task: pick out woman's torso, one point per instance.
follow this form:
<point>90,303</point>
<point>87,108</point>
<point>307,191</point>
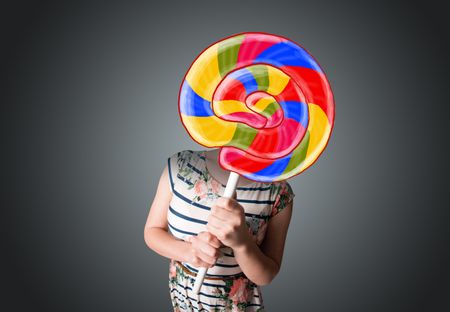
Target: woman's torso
<point>195,191</point>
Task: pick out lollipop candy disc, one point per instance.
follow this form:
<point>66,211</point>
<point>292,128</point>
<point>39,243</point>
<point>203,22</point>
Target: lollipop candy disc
<point>263,100</point>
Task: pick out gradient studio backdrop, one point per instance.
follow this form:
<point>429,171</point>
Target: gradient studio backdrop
<point>90,93</point>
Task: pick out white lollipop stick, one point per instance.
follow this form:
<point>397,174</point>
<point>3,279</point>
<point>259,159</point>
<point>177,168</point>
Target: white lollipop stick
<point>228,193</point>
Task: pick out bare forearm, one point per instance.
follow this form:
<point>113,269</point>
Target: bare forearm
<point>259,268</point>
<point>166,244</point>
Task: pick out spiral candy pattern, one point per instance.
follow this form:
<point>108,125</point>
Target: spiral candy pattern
<point>264,100</point>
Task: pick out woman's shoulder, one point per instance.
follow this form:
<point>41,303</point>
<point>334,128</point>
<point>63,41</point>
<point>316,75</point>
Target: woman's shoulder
<point>282,188</point>
<point>185,167</point>
<point>187,155</point>
<point>282,194</point>
<point>281,184</point>
<point>185,158</point>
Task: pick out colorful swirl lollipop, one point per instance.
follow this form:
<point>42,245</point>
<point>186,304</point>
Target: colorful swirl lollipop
<point>263,100</point>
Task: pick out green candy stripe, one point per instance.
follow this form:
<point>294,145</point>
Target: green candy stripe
<point>270,109</point>
<point>228,54</point>
<point>298,155</point>
<point>260,73</point>
<point>243,136</point>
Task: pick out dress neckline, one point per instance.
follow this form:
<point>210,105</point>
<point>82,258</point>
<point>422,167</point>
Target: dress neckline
<point>253,184</point>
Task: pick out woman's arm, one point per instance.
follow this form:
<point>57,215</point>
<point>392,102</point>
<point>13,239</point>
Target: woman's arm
<point>201,250</point>
<point>260,264</point>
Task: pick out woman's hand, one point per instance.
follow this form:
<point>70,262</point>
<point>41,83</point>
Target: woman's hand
<point>227,222</point>
<point>204,250</point>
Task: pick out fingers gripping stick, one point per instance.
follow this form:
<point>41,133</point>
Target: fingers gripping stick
<point>228,193</point>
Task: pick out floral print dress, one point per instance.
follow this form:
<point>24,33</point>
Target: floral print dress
<point>225,288</point>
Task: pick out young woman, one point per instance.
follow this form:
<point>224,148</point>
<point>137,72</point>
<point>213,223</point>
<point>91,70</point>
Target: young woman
<point>240,240</point>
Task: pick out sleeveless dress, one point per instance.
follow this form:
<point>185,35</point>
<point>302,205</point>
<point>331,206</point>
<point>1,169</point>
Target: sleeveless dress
<point>225,288</point>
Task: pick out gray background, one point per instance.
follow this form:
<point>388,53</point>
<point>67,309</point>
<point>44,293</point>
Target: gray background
<point>90,116</point>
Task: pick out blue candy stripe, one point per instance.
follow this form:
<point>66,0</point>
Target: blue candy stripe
<point>271,172</point>
<point>245,77</point>
<point>295,110</point>
<point>287,54</point>
<point>191,104</point>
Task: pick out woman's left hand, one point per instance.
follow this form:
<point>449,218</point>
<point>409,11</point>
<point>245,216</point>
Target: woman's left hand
<point>227,222</point>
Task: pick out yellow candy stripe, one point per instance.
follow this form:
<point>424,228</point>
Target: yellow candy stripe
<point>230,106</point>
<point>319,130</point>
<point>277,80</point>
<point>262,103</point>
<point>209,131</point>
<point>204,75</point>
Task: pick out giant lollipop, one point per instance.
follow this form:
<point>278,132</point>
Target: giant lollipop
<point>264,101</point>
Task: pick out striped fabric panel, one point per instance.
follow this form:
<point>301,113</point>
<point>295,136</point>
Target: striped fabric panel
<point>193,304</point>
<point>187,217</point>
<point>206,297</point>
<point>242,197</point>
<point>183,200</point>
<point>184,288</point>
<point>207,293</point>
<point>182,297</point>
<point>242,188</point>
<point>217,271</point>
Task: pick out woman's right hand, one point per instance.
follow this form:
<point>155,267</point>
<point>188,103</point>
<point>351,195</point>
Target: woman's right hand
<point>204,250</point>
